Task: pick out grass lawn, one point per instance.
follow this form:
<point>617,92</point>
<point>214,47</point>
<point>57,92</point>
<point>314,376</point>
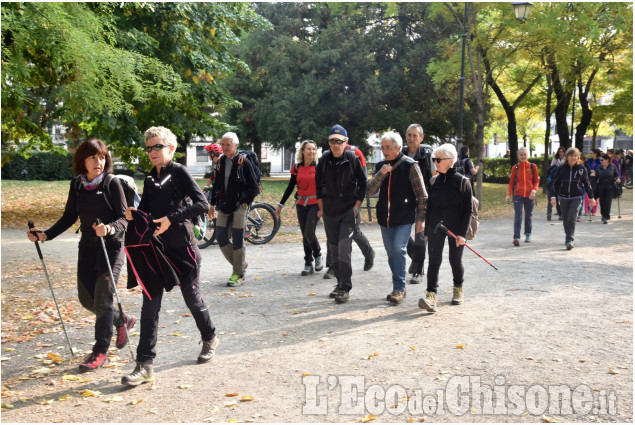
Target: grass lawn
<point>43,202</point>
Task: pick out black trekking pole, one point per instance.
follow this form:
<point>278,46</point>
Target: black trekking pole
<point>114,286</point>
<point>48,279</point>
<point>448,232</point>
<point>619,212</point>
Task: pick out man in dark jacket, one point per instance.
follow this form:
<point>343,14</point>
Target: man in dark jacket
<point>422,154</point>
<point>341,186</point>
<point>234,190</point>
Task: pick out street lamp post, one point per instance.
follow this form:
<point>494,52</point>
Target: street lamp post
<point>459,138</point>
<point>521,9</point>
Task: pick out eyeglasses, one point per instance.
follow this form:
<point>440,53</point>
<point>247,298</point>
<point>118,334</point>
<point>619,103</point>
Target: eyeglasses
<point>155,148</point>
<point>438,160</point>
<point>337,141</point>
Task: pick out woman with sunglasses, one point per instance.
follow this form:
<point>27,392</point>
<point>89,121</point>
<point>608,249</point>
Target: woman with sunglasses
<point>163,199</point>
<point>87,200</point>
<point>570,183</point>
<point>450,201</point>
<point>303,176</point>
<point>606,177</point>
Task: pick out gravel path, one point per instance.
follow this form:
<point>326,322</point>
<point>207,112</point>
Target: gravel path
<point>548,320</point>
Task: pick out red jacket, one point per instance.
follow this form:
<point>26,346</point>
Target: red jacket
<point>526,181</point>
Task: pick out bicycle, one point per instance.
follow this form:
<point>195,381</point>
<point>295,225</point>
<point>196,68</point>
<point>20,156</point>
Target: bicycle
<point>261,226</point>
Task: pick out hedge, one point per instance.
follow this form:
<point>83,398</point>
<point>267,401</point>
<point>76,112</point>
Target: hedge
<point>39,166</point>
<point>498,170</point>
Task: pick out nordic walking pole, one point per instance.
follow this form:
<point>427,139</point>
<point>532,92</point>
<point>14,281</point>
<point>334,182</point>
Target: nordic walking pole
<point>48,279</point>
<point>114,286</point>
<point>619,212</point>
<point>447,232</point>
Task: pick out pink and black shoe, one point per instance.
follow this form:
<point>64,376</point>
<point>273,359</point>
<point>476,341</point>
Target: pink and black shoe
<point>122,335</point>
<point>93,361</point>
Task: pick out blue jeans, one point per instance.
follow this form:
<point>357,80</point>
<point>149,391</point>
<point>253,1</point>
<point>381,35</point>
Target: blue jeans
<point>519,203</point>
<point>395,242</point>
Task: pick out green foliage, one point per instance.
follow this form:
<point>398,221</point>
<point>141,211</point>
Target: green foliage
<point>39,166</point>
<point>498,170</point>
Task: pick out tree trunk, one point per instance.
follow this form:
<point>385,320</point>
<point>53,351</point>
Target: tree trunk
<point>595,135</point>
<point>181,147</point>
<point>545,161</point>
<point>562,106</point>
<point>587,113</point>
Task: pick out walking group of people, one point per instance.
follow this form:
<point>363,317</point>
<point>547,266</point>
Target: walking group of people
<point>574,184</point>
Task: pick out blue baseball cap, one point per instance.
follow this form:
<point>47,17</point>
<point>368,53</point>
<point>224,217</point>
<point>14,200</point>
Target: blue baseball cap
<point>338,132</point>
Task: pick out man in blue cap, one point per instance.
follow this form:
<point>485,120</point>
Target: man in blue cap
<point>341,186</point>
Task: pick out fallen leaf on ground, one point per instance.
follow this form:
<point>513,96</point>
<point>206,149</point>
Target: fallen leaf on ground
<point>310,294</point>
<point>368,418</point>
<point>231,394</point>
<point>65,397</point>
<point>113,399</point>
<point>413,349</point>
<point>45,402</point>
<point>135,402</point>
<point>550,420</point>
<point>233,421</point>
<point>89,393</point>
<point>9,349</point>
<point>184,386</point>
<point>42,371</point>
<point>305,373</point>
<point>55,357</point>
<point>613,372</point>
<point>7,406</point>
<point>230,403</point>
<point>70,378</point>
<point>247,398</point>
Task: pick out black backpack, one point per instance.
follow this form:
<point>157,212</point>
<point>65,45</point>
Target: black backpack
<point>253,158</point>
<point>130,190</point>
<point>551,176</point>
<point>460,168</point>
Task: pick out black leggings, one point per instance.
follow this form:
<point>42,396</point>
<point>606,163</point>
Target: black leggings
<point>435,254</point>
<point>307,217</point>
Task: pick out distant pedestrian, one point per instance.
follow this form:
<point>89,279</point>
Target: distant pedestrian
<point>558,160</point>
<point>450,201</point>
<point>402,201</point>
<point>340,187</point>
<point>592,165</point>
<point>89,200</point>
<point>523,185</point>
<point>303,176</point>
<point>235,189</point>
<point>422,154</point>
<point>465,166</point>
<point>164,212</point>
<point>607,179</point>
<point>569,185</point>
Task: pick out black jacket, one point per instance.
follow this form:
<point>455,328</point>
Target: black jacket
<point>424,163</point>
<point>241,189</point>
<point>447,203</point>
<point>340,182</point>
<point>572,182</point>
<point>165,197</point>
<point>90,205</point>
<point>397,203</point>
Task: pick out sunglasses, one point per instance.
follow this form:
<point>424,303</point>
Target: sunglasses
<point>337,141</point>
<point>155,148</point>
<point>438,160</point>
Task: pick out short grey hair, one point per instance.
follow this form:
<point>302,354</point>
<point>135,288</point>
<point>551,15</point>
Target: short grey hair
<point>447,150</point>
<point>417,126</point>
<point>231,135</point>
<point>164,133</point>
<point>394,137</point>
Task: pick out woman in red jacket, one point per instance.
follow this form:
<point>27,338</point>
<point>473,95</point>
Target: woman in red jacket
<point>523,184</point>
<point>303,175</point>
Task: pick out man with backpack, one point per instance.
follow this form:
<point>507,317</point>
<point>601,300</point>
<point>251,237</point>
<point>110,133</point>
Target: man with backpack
<point>465,166</point>
<point>523,185</point>
<point>236,186</point>
<point>422,154</point>
<point>340,188</point>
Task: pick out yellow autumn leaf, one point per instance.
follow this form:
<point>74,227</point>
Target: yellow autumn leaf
<point>27,317</point>
<point>184,386</point>
<point>230,403</point>
<point>7,406</point>
<point>368,418</point>
<point>375,354</point>
<point>135,402</point>
<point>176,333</point>
<point>233,421</point>
<point>411,420</point>
<point>89,393</point>
<point>305,373</point>
<point>9,349</point>
<point>310,294</point>
<point>231,394</point>
<point>113,399</point>
<point>44,402</point>
<point>65,397</point>
<point>460,346</point>
<point>55,357</point>
<point>70,378</point>
<point>247,398</point>
<point>550,420</point>
<point>195,79</point>
<point>412,348</point>
<point>613,372</point>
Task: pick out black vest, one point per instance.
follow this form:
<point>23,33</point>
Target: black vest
<point>397,203</point>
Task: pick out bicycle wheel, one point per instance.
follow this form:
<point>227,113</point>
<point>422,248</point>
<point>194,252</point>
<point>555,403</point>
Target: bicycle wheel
<point>208,233</point>
<point>261,224</point>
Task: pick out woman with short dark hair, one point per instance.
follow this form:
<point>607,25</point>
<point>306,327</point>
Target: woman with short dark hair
<point>89,200</point>
<point>606,178</point>
<point>569,185</point>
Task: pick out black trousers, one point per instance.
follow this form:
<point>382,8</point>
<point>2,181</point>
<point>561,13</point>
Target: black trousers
<point>360,239</point>
<point>606,200</point>
<point>146,350</point>
<point>94,289</point>
<point>417,251</point>
<point>339,237</point>
<point>436,241</point>
<point>307,217</point>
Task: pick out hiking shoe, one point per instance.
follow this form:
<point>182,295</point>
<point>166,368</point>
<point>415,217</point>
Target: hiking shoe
<point>605,221</point>
<point>122,334</point>
<point>457,298</point>
<point>208,351</point>
<point>335,292</point>
<point>416,278</point>
<point>342,297</point>
<point>527,237</point>
<point>235,280</point>
<point>143,372</point>
<point>578,219</point>
<point>515,242</point>
<point>397,297</point>
<point>548,218</point>
<point>93,361</point>
<point>330,273</point>
<point>307,271</point>
<point>429,303</point>
<point>413,268</point>
<point>569,245</point>
<point>319,264</point>
<point>369,261</point>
